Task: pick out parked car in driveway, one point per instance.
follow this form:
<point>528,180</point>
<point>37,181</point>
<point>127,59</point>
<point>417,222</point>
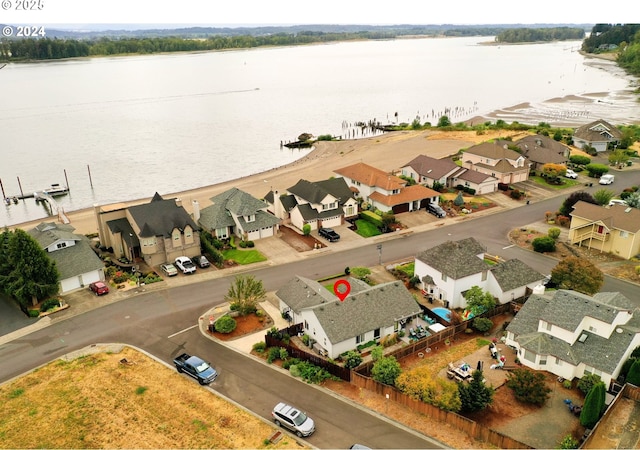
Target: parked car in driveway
<point>201,261</point>
<point>606,179</point>
<point>185,265</point>
<point>169,269</point>
<point>292,418</point>
<point>99,288</point>
<point>329,234</point>
<point>571,174</point>
<point>436,210</point>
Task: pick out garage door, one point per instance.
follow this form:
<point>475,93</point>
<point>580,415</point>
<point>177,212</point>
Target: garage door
<point>401,208</point>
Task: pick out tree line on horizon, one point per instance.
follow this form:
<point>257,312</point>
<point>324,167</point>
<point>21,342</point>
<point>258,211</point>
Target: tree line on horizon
<point>520,35</point>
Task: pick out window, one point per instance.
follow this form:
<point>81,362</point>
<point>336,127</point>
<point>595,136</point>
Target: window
<point>484,275</point>
<point>61,245</point>
<point>593,329</point>
<point>250,218</point>
<point>529,356</point>
<point>360,339</point>
<point>376,333</point>
<point>543,360</point>
<point>444,277</point>
<point>558,362</point>
<point>624,234</point>
<point>306,325</point>
<point>395,191</point>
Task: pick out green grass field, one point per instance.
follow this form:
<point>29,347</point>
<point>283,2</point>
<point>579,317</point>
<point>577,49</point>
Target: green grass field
<point>244,257</point>
<point>542,182</point>
<point>366,229</point>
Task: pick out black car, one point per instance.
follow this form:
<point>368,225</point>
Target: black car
<point>329,234</point>
<point>436,210</point>
<point>201,261</point>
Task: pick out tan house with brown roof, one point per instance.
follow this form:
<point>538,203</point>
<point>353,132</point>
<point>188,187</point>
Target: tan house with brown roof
<point>597,134</point>
<point>614,229</point>
<point>497,160</point>
<point>384,191</point>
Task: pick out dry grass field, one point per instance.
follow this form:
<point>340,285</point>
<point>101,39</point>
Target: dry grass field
<point>99,401</point>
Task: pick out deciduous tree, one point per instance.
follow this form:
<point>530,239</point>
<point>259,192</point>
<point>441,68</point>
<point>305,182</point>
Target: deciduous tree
<point>245,292</point>
<point>567,205</point>
<point>578,275</point>
<point>479,301</point>
<point>386,370</point>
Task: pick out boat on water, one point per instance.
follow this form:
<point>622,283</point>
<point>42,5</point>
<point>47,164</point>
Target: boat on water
<point>56,190</point>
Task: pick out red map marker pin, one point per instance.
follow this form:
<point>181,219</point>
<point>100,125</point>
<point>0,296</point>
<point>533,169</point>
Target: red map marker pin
<point>342,294</point>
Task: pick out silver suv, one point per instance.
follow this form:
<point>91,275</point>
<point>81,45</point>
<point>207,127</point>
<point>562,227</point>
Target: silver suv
<point>292,418</point>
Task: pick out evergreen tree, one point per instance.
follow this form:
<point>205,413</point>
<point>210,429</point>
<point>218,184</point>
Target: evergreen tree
<point>33,274</point>
<point>475,396</point>
<point>633,377</point>
<point>593,406</point>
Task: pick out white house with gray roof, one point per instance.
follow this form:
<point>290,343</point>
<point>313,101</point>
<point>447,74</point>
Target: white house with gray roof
<point>448,270</point>
<point>571,334</point>
<point>77,263</point>
<point>367,313</point>
<point>238,213</point>
<point>597,134</point>
<point>321,204</point>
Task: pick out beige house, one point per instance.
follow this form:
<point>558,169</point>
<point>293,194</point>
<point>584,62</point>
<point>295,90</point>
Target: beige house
<point>598,134</point>
<point>614,229</point>
<point>157,232</point>
<point>498,160</point>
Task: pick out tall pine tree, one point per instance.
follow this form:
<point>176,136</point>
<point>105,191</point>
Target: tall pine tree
<point>593,406</point>
<point>475,396</point>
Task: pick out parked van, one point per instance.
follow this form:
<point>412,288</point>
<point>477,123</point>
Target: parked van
<point>606,179</point>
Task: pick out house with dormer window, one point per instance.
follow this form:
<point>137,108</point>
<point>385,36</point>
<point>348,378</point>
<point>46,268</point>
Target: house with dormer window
<point>157,232</point>
<point>384,191</point>
<point>367,313</point>
<point>234,212</point>
<point>497,160</point>
<point>613,229</point>
<point>76,261</point>
<point>571,334</point>
<point>598,134</point>
<point>447,271</point>
<point>321,204</point>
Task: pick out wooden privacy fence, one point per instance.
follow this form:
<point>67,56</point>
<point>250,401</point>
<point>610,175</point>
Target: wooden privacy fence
<point>341,372</point>
<point>468,426</point>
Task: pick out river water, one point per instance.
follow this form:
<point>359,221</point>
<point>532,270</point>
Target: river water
<point>122,128</point>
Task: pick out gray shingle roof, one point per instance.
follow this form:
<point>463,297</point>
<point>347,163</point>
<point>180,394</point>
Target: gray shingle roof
<point>301,293</point>
<point>513,274</point>
<point>457,259</point>
<point>73,260</point>
<point>160,217</point>
<point>239,202</point>
<point>376,307</point>
<point>588,133</point>
<point>566,309</point>
<point>262,220</point>
<point>315,192</point>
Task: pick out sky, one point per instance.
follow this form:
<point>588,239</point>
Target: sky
<point>302,12</point>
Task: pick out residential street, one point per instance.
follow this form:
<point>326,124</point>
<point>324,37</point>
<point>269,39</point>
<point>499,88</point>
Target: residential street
<point>161,322</point>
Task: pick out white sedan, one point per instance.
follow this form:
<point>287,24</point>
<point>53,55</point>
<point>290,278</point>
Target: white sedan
<point>185,264</point>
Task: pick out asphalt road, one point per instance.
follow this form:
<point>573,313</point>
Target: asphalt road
<point>162,323</point>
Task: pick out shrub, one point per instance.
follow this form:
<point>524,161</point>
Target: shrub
<point>587,381</point>
<point>286,365</point>
<point>377,352</point>
<point>305,339</point>
<point>528,386</point>
<point>34,313</point>
<point>259,347</point>
<point>482,324</point>
<point>225,324</point>
<point>273,353</point>
<point>372,217</point>
<point>568,442</point>
<point>516,194</point>
<point>580,160</point>
<point>596,170</point>
<point>310,372</point>
<point>544,244</point>
<point>351,359</point>
<point>251,244</point>
<point>554,233</point>
<point>49,303</point>
<point>306,229</point>
<point>243,244</point>
<point>284,354</point>
<point>386,370</point>
<point>120,277</point>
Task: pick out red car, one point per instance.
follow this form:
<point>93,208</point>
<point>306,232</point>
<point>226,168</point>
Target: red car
<point>99,288</point>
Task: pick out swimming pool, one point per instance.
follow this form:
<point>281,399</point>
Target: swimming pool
<point>444,313</point>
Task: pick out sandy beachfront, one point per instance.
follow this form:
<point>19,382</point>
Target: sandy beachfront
<point>387,152</point>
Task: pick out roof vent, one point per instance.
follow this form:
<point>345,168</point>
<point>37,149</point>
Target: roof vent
<point>618,330</point>
<point>583,337</point>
